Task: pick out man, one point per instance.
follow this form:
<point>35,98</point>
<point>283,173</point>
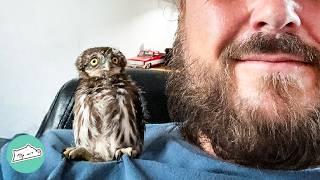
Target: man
<point>248,86</point>
<point>245,88</point>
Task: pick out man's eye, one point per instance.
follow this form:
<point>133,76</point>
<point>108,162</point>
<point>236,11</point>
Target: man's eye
<point>94,62</point>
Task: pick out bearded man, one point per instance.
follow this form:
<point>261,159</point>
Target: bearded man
<point>244,91</point>
<point>246,85</point>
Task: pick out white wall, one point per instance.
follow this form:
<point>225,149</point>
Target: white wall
<point>40,40</point>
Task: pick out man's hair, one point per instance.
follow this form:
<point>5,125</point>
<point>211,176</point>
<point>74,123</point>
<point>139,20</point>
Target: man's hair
<point>181,7</point>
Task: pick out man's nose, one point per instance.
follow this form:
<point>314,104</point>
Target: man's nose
<point>274,15</point>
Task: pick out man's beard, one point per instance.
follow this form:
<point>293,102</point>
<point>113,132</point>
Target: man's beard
<point>205,100</point>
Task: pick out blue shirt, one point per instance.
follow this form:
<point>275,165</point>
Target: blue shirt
<point>165,156</point>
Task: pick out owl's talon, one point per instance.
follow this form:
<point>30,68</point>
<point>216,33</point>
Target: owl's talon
<point>63,153</point>
<point>129,151</point>
<point>66,152</point>
<point>118,154</point>
<point>77,153</point>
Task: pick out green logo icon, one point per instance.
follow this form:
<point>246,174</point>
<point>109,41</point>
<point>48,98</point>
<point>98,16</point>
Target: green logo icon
<point>25,154</point>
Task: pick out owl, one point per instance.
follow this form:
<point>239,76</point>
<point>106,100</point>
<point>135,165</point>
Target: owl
<point>109,110</point>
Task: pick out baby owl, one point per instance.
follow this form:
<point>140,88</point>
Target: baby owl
<point>109,112</point>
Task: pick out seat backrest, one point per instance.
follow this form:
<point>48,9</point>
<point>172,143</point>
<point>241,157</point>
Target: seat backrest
<point>152,83</point>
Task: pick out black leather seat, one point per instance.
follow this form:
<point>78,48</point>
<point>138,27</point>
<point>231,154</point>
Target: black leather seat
<point>152,82</point>
<point>2,141</point>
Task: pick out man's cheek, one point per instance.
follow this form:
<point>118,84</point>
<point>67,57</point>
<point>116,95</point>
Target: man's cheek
<point>309,12</point>
<point>203,38</point>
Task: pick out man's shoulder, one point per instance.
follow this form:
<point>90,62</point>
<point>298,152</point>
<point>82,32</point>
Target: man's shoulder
<point>155,130</point>
<point>166,155</point>
<point>162,126</point>
<point>152,131</point>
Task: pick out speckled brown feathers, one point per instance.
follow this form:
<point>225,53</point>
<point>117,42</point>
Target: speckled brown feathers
<point>108,111</point>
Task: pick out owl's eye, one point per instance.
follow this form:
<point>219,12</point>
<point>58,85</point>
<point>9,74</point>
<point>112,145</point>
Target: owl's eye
<point>115,60</point>
<point>94,62</point>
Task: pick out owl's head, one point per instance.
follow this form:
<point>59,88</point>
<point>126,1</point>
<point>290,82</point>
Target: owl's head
<point>100,62</point>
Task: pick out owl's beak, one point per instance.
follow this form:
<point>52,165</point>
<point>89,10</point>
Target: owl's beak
<point>106,66</point>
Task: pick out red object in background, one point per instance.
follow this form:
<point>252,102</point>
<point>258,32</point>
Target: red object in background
<point>146,59</point>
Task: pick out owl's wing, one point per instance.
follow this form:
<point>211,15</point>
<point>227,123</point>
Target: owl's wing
<point>141,112</point>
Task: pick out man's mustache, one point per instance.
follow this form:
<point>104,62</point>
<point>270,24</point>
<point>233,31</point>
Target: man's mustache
<point>261,43</point>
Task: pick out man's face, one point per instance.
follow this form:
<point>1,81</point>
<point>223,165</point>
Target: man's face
<point>212,25</point>
<point>250,69</point>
